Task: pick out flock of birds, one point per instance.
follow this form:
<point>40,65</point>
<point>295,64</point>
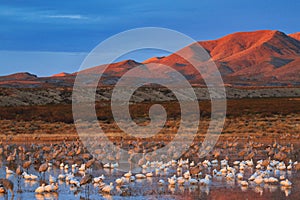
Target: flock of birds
<point>77,170</point>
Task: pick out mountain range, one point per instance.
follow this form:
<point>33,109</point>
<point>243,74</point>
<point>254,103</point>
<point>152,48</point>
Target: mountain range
<point>257,58</point>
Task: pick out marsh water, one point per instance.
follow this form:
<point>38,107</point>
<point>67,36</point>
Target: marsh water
<point>219,187</point>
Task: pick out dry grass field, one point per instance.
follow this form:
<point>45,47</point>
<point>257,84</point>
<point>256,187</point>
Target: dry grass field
<point>269,118</point>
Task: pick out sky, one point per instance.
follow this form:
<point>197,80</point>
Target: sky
<point>49,37</point>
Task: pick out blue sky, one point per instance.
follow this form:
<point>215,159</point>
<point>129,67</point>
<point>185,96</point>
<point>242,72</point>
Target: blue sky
<point>48,37</point>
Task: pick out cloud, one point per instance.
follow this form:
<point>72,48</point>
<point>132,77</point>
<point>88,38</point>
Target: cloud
<point>33,14</point>
<point>75,16</point>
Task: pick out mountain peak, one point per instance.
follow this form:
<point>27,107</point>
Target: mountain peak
<point>62,74</point>
<point>129,62</point>
<point>22,75</point>
<point>295,35</point>
<point>242,42</point>
<point>153,59</point>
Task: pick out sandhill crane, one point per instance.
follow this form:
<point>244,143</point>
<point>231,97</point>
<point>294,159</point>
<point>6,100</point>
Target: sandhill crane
<point>43,168</point>
<point>86,180</point>
<point>19,172</point>
<point>8,185</point>
<point>27,164</point>
<point>90,163</point>
<point>12,157</point>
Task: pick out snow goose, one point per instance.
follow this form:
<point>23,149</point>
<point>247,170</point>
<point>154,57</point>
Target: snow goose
<point>205,181</point>
<point>52,179</point>
<point>161,182</point>
<point>8,171</point>
<point>193,181</point>
<point>240,176</point>
<point>128,174</point>
<point>244,183</point>
<point>120,181</point>
<point>258,180</point>
<point>140,176</point>
<point>286,183</point>
<point>108,188</point>
<point>172,181</point>
<point>180,180</point>
<point>149,174</point>
<point>40,189</point>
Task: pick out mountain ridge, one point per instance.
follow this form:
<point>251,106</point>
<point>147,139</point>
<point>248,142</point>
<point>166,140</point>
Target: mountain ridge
<point>256,58</point>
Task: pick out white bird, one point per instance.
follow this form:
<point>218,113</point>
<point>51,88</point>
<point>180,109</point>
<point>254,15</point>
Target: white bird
<point>282,177</point>
<point>214,162</point>
<point>82,167</point>
<point>69,177</point>
<point>224,162</point>
<point>132,178</point>
<point>193,181</point>
<point>286,183</point>
<point>223,170</point>
<point>108,188</point>
<point>40,189</point>
<point>206,163</point>
<point>140,176</point>
<point>161,182</point>
<point>240,176</point>
<point>244,183</point>
<point>249,162</point>
<point>33,177</point>
<point>187,174</point>
<point>74,182</point>
<point>8,171</point>
<point>237,162</point>
<point>99,179</point>
<point>120,181</point>
<point>74,166</point>
<point>192,164</point>
<point>26,176</point>
<point>180,180</point>
<point>273,180</point>
<point>179,169</point>
<point>149,174</point>
<point>205,181</point>
<point>172,181</point>
<point>281,166</point>
<point>217,173</point>
<point>62,165</point>
<point>107,165</point>
<point>115,165</point>
<point>230,176</point>
<point>258,180</point>
<point>295,163</point>
<point>49,188</point>
<point>128,174</point>
<point>258,166</point>
<point>52,179</point>
<point>61,176</point>
<point>29,176</point>
<point>242,167</point>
